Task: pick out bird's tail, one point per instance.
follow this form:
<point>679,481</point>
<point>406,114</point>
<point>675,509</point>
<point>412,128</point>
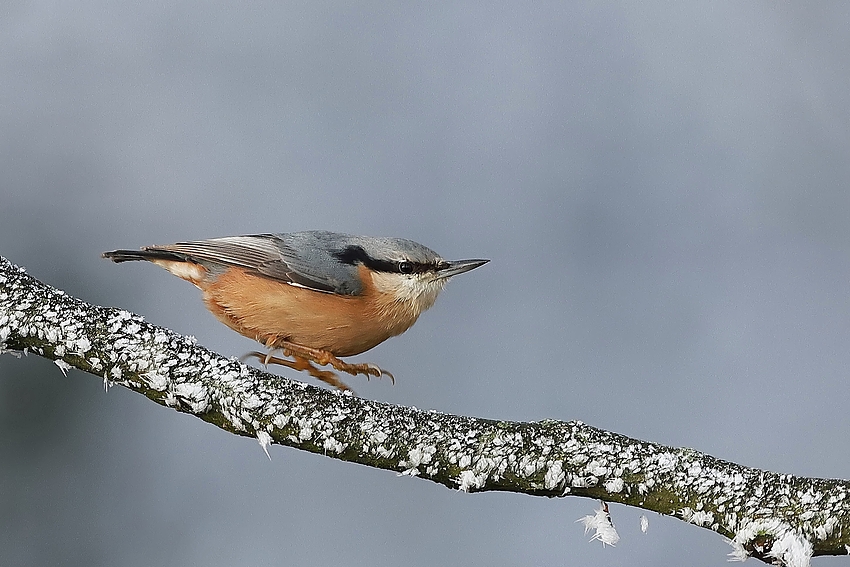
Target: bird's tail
<point>148,254</point>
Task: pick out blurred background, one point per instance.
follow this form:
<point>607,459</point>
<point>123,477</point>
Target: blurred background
<point>662,189</point>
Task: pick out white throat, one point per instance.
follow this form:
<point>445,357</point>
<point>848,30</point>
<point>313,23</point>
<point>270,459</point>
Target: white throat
<point>417,291</point>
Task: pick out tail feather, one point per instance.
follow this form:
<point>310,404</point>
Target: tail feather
<point>149,255</point>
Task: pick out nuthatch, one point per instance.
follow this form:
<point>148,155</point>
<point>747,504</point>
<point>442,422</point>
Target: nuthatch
<point>314,295</point>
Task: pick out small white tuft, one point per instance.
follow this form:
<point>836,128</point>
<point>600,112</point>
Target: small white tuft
<point>824,531</point>
<point>789,547</point>
<point>83,345</point>
<point>738,552</point>
<point>416,457</point>
<point>554,476</point>
<point>699,518</point>
<point>792,550</point>
<point>468,481</point>
<point>156,381</point>
<point>333,445</point>
<point>63,366</point>
<point>644,523</point>
<point>601,522</point>
<point>614,486</point>
<point>265,440</point>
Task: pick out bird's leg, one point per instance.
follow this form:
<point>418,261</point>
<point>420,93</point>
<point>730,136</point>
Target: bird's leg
<point>323,357</point>
<point>299,363</point>
<point>303,357</point>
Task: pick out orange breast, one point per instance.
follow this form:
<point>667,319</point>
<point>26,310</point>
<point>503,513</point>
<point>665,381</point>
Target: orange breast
<point>271,311</point>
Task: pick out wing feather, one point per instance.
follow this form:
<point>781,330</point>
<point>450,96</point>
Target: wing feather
<point>264,254</point>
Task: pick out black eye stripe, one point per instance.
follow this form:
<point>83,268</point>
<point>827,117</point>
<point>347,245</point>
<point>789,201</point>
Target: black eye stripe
<point>354,255</point>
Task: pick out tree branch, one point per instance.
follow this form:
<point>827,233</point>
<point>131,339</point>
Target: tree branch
<point>776,517</point>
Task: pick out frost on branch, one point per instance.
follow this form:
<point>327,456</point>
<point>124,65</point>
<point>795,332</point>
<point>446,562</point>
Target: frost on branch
<point>766,515</point>
<point>772,539</point>
<point>602,525</point>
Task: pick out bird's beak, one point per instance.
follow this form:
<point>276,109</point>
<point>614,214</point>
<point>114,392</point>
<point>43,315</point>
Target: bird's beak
<point>459,267</point>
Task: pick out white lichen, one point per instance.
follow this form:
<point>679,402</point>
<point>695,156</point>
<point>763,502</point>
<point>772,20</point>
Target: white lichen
<point>418,456</point>
<point>785,544</point>
<point>698,518</point>
<point>824,531</point>
<point>156,381</point>
<point>469,480</point>
<point>792,550</point>
<point>384,452</point>
<point>554,476</point>
<point>614,486</point>
<point>333,445</point>
<point>193,394</point>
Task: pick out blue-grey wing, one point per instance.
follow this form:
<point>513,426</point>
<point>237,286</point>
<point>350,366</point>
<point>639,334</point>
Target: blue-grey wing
<point>290,258</point>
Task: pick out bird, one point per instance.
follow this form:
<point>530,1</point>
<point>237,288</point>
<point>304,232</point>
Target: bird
<point>316,296</point>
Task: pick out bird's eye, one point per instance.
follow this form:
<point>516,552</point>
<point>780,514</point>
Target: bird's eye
<point>405,267</point>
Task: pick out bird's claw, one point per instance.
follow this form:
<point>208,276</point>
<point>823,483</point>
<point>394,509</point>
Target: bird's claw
<point>304,357</point>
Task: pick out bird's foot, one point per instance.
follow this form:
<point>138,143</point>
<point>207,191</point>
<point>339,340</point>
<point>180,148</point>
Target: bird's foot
<point>298,363</point>
<point>304,357</point>
<point>323,358</point>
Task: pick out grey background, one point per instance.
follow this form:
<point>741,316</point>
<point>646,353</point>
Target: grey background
<point>662,189</point>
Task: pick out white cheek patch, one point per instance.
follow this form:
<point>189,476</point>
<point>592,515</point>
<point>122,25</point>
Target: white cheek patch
<point>194,273</point>
<point>420,293</point>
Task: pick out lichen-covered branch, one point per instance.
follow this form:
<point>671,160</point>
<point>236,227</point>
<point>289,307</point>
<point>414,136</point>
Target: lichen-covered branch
<point>767,515</point>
